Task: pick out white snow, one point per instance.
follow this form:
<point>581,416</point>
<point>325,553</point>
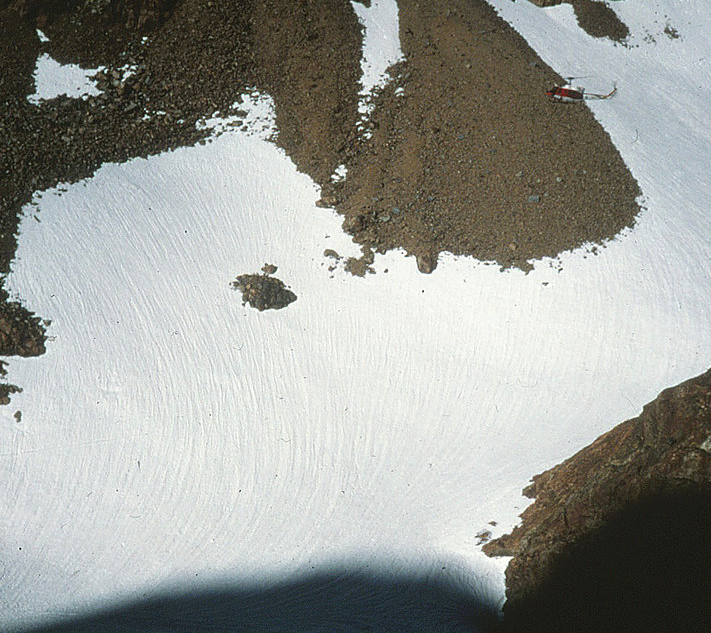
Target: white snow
<point>172,437</point>
<point>381,47</point>
<point>381,41</point>
<point>53,79</point>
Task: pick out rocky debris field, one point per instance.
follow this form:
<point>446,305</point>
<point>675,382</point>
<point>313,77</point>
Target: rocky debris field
<point>467,156</point>
<point>618,533</point>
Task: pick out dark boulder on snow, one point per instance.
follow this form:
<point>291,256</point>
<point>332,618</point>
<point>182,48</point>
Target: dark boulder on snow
<point>264,292</point>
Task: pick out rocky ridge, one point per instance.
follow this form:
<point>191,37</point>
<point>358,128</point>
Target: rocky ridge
<point>642,466</point>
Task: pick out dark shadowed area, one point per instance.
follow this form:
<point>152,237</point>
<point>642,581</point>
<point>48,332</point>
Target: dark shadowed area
<point>648,569</point>
<point>328,602</point>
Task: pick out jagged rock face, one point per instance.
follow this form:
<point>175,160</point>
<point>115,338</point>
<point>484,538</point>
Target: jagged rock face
<point>133,14</point>
<point>664,451</point>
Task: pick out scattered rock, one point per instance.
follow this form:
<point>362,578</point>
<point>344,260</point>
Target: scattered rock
<point>269,269</point>
<point>358,267</point>
<point>483,536</point>
<point>326,202</point>
<point>22,333</point>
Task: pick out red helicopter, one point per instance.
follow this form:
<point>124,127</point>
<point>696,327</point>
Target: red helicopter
<point>568,93</point>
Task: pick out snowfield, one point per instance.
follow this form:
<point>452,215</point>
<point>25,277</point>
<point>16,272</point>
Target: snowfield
<point>172,438</point>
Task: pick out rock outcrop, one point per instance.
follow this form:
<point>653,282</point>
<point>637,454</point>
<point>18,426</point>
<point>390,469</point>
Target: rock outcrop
<point>656,467</point>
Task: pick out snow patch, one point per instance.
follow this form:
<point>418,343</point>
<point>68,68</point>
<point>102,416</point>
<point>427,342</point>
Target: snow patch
<point>53,79</point>
<point>170,436</point>
<point>381,49</point>
<point>254,114</point>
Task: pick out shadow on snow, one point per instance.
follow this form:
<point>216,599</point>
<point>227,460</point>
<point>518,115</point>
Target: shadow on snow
<point>325,602</point>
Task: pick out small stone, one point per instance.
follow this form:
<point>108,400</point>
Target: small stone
<point>512,246</point>
<point>426,262</point>
<point>326,202</point>
<point>329,252</point>
<point>385,217</point>
<point>269,269</point>
<point>18,416</point>
<point>534,198</point>
<point>519,174</point>
<point>483,536</point>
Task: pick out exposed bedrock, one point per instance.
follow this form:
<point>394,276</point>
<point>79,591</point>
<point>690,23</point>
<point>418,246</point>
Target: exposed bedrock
<point>617,538</point>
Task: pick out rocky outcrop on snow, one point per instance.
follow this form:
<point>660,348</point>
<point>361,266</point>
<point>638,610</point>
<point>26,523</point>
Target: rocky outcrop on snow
<point>596,17</point>
<point>656,467</point>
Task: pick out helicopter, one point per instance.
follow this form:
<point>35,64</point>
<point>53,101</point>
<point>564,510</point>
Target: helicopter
<point>569,93</point>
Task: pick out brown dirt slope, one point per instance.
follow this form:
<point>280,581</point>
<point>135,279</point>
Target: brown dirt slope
<point>471,158</point>
<point>642,466</point>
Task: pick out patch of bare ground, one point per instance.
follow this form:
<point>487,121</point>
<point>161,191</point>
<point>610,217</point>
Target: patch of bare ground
<point>263,291</point>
